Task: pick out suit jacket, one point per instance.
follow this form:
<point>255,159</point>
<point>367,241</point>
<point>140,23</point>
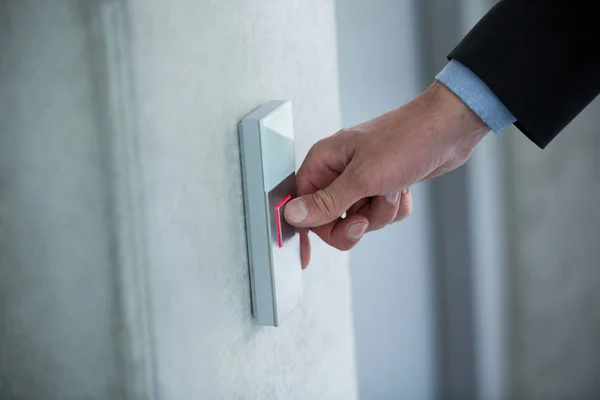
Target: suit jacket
<point>541,58</point>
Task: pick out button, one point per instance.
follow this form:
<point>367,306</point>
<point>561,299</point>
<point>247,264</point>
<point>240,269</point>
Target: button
<point>279,217</point>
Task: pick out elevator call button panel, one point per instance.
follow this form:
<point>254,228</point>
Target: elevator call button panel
<point>269,181</point>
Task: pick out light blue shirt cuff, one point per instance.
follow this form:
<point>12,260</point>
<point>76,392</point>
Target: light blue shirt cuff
<point>476,94</point>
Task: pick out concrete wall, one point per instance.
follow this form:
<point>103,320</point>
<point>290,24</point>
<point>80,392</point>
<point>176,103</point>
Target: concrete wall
<point>554,226</point>
<point>100,195</point>
<point>56,266</point>
<point>391,270</point>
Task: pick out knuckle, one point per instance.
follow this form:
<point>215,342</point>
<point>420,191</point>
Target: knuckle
<point>314,153</point>
<point>319,150</point>
<point>321,143</point>
<point>343,132</point>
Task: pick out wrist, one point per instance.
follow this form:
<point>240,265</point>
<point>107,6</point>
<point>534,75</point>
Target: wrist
<point>453,120</point>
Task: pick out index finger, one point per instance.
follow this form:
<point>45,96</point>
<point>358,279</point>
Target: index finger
<point>342,232</point>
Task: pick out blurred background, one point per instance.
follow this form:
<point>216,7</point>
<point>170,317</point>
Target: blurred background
<point>118,280</point>
<point>489,290</point>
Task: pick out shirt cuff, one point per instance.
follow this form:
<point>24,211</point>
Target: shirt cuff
<point>476,95</point>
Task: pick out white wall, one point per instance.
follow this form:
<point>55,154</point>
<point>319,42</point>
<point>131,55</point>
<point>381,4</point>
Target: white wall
<point>197,68</point>
<point>392,282</point>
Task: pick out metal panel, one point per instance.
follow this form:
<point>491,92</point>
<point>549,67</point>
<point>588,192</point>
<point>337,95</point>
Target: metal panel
<point>268,165</point>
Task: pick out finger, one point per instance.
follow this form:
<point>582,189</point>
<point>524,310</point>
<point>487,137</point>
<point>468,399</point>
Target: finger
<point>405,207</point>
<point>343,234</point>
<point>333,233</point>
<point>357,206</point>
<point>324,205</point>
<point>381,210</point>
<point>304,248</point>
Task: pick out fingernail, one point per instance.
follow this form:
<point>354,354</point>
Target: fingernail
<point>296,210</point>
<point>392,198</point>
<point>356,231</point>
<point>405,191</point>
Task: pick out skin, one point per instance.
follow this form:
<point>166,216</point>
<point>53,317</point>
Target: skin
<point>366,171</point>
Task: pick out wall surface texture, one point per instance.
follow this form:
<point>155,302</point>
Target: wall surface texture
<point>553,233</point>
<point>199,67</point>
<point>116,283</point>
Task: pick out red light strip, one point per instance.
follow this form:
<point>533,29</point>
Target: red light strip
<point>277,207</point>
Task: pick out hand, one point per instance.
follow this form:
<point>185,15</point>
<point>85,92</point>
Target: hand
<point>365,171</point>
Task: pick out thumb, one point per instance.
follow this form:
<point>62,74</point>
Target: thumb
<point>324,205</point>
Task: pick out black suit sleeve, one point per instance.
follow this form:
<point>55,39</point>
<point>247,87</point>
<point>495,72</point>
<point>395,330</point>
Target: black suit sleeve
<point>540,57</point>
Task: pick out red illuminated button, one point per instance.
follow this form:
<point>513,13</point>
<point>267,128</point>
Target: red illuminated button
<point>279,216</point>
